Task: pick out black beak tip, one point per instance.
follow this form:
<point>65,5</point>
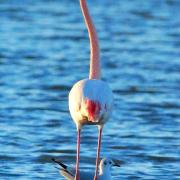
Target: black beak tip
<point>117,165</point>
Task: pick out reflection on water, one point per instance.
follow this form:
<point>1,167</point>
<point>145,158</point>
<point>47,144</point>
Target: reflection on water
<point>42,40</point>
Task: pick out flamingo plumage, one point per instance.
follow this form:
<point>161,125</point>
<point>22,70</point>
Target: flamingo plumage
<point>90,100</point>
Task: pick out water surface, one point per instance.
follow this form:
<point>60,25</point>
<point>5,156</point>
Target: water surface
<point>44,50</point>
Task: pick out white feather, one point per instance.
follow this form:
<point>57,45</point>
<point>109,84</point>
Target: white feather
<point>95,90</point>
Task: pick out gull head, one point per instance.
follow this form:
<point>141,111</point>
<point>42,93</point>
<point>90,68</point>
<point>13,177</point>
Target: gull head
<point>107,163</point>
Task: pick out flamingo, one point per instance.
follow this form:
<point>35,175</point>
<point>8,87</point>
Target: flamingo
<point>90,100</point>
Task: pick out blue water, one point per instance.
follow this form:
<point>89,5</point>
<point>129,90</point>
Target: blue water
<point>44,50</point>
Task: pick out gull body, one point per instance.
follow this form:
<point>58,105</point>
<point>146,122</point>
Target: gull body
<point>104,170</point>
<point>90,100</point>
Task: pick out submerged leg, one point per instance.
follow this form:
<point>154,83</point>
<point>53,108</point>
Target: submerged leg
<point>77,177</point>
<point>98,151</point>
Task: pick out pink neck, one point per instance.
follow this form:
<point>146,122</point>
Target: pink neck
<point>94,62</point>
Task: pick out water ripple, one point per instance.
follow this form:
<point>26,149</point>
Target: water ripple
<point>44,49</point>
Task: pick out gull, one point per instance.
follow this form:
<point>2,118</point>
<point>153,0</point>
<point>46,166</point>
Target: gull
<point>104,170</point>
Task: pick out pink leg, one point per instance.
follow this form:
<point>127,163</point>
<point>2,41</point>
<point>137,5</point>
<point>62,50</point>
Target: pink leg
<point>77,156</point>
<point>98,152</point>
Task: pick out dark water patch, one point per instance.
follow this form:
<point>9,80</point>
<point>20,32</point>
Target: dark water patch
<point>138,90</point>
<point>163,159</point>
<point>147,15</point>
<point>56,87</point>
<point>68,151</point>
<point>53,123</point>
<point>127,147</point>
<point>5,158</point>
<point>10,175</point>
<point>44,159</point>
<point>48,158</point>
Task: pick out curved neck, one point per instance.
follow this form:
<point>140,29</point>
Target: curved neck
<point>94,45</point>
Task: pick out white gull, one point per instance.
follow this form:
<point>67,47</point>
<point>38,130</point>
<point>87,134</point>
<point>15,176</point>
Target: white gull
<point>104,170</point>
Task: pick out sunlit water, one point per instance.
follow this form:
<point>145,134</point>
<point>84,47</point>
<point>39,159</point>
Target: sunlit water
<point>44,50</point>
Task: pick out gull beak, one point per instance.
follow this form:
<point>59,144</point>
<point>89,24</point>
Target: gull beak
<point>116,163</point>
